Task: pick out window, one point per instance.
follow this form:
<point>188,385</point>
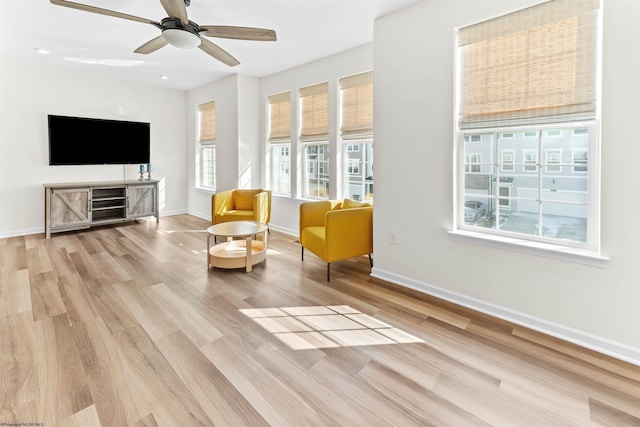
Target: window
<point>527,85</point>
<point>353,166</point>
<point>314,135</point>
<point>531,134</point>
<point>281,168</point>
<point>473,163</point>
<point>356,129</point>
<point>548,202</point>
<point>472,138</point>
<point>508,159</point>
<point>279,164</point>
<point>580,160</point>
<point>316,171</point>
<point>206,164</point>
<point>530,160</point>
<point>553,160</point>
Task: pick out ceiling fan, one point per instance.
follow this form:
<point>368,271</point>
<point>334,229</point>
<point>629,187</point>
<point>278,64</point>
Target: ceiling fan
<point>179,31</point>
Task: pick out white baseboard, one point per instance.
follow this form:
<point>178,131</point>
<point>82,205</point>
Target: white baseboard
<point>292,233</point>
<point>583,339</point>
<point>29,231</point>
<point>25,232</point>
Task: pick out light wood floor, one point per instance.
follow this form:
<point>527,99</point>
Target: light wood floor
<point>124,326</point>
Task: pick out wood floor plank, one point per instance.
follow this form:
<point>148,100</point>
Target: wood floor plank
<point>45,296</point>
<point>63,383</point>
<point>328,402</point>
<point>117,401</point>
<point>18,362</point>
<point>217,396</point>
<point>271,398</point>
<point>190,321</point>
<point>124,325</point>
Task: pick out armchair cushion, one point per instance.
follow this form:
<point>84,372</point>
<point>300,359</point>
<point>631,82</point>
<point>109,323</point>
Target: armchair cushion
<point>348,204</point>
<point>243,199</point>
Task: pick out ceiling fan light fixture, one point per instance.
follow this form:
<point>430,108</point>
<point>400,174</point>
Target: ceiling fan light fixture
<point>181,38</point>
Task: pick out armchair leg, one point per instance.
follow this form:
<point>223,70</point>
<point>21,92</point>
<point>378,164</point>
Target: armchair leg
<point>302,253</point>
<point>328,271</point>
<point>370,261</point>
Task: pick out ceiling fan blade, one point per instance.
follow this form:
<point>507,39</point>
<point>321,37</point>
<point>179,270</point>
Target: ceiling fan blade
<point>239,33</point>
<point>176,9</point>
<point>218,53</point>
<point>152,45</point>
<point>102,11</point>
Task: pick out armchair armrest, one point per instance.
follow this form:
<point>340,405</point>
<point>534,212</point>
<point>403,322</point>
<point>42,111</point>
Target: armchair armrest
<point>349,233</point>
<point>262,206</point>
<point>221,202</point>
<point>313,213</point>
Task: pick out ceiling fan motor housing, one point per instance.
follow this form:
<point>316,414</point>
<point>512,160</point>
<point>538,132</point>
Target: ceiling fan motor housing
<point>184,36</point>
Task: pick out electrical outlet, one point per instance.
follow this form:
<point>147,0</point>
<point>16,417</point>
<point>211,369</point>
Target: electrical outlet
<point>393,238</point>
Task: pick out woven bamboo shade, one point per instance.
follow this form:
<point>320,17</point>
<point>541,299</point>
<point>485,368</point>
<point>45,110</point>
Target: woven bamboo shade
<point>207,114</point>
<point>537,65</point>
<point>280,117</point>
<point>357,106</point>
<point>315,112</point>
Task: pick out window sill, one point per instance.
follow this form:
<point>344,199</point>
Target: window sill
<point>205,190</point>
<point>564,253</point>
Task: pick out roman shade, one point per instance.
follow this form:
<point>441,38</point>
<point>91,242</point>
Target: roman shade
<point>357,106</point>
<point>207,116</point>
<point>280,117</point>
<point>537,65</point>
<point>314,101</point>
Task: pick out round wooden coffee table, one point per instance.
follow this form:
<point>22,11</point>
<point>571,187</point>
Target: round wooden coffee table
<point>241,248</point>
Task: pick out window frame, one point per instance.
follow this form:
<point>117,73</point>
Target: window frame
<point>364,167</point>
<point>202,167</point>
<point>206,141</point>
<point>318,169</point>
<point>587,252</point>
<point>274,168</point>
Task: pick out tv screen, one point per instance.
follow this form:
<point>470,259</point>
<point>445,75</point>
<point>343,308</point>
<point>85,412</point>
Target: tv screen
<point>86,141</point>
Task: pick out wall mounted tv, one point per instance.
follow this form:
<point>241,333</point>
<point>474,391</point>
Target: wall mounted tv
<point>86,141</point>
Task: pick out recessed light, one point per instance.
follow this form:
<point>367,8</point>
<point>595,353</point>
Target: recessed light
<point>42,51</point>
<point>164,77</point>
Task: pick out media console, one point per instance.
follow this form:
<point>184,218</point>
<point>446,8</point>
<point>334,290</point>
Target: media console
<point>78,205</point>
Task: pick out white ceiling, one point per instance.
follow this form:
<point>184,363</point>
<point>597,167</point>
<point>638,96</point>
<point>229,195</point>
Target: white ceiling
<point>306,30</point>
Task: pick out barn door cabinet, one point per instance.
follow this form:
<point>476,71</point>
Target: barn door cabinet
<point>75,206</point>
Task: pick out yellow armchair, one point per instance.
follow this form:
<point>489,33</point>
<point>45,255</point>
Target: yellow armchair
<point>335,230</point>
<point>241,205</point>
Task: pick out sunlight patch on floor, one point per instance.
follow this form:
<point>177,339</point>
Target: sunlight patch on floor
<point>305,328</point>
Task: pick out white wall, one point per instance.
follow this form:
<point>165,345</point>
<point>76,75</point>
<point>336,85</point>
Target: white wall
<point>237,138</point>
<point>30,93</point>
<point>225,94</point>
<point>284,211</point>
<point>249,147</point>
<point>413,108</point>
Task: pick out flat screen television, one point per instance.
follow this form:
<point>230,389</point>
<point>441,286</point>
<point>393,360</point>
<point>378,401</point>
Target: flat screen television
<point>87,141</point>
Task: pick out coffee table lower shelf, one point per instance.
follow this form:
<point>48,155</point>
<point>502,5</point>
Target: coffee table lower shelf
<point>233,254</point>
